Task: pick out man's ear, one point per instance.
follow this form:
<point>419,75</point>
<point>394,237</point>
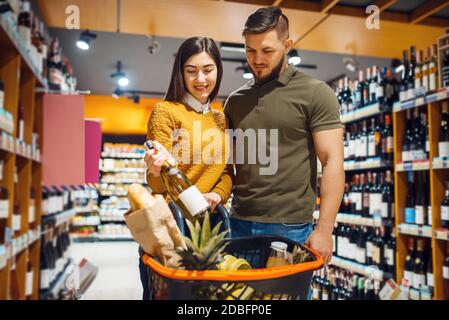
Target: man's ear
<point>288,45</point>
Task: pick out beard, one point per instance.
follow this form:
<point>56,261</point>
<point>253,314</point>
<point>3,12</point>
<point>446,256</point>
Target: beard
<point>274,74</point>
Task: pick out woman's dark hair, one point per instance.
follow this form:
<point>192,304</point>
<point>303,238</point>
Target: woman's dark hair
<point>265,19</point>
<point>177,89</point>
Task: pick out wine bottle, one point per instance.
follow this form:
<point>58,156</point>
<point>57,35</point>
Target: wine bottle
<point>419,272</point>
<point>443,143</point>
<point>418,69</point>
<point>425,70</point>
<point>182,191</point>
<point>411,74</point>
<point>403,96</point>
<point>348,96</point>
<point>421,201</point>
<point>380,88</point>
<point>367,94</point>
<point>24,23</point>
<point>406,145</point>
<point>352,143</point>
<point>366,184</point>
<point>429,273</point>
<point>387,140</point>
<point>445,208</point>
<point>445,69</point>
<point>408,267</point>
<point>364,142</point>
<point>446,266</point>
<point>361,246</point>
<point>29,280</point>
<point>387,206</point>
<point>372,139</point>
<point>410,214</point>
<point>416,140</point>
<point>433,69</point>
<point>389,253</point>
<point>373,85</point>
<point>361,91</point>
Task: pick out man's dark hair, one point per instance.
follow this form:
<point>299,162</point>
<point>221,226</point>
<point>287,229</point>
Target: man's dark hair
<point>177,88</point>
<point>265,19</point>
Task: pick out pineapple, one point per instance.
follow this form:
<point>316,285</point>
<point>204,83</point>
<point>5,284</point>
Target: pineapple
<point>204,247</point>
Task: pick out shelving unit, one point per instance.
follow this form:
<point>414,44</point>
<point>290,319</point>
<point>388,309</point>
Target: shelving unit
<point>21,79</point>
<point>438,174</point>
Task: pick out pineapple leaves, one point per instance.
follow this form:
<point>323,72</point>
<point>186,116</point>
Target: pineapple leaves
<point>205,231</point>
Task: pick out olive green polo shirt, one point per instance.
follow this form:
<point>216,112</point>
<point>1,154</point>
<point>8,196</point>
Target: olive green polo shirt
<point>296,105</point>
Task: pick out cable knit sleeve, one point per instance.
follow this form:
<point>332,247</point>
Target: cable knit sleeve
<point>160,128</point>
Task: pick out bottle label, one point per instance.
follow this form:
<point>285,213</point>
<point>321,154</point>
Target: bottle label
<point>429,215</point>
<point>384,210</point>
<point>339,246</point>
<point>445,213</point>
<point>31,214</point>
<point>430,279</point>
<point>379,92</point>
<point>369,249</point>
<point>410,215</point>
<point>193,200</point>
<point>419,214</point>
<point>403,95</point>
<point>358,201</point>
<point>443,149</point>
<point>361,255</point>
<point>409,276</point>
<point>351,148</point>
<point>333,243</point>
<point>29,284</point>
<point>372,89</point>
<point>405,156</point>
<point>446,272</point>
<point>418,280</point>
<point>45,279</point>
<point>363,147</point>
<point>346,152</point>
<point>17,221</point>
<point>4,209</point>
<point>371,145</point>
<point>389,256</point>
<point>432,80</point>
<point>324,296</point>
<point>376,254</point>
<point>389,144</point>
<point>375,203</point>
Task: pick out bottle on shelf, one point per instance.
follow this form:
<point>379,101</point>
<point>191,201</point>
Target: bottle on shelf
<point>4,204</point>
<point>410,204</point>
<point>29,280</point>
<point>418,69</point>
<point>419,270</point>
<point>422,201</point>
<point>389,253</point>
<point>403,95</point>
<point>446,267</point>
<point>387,206</point>
<point>429,273</point>
<point>444,208</point>
<point>373,85</point>
<point>387,140</point>
<point>411,74</point>
<point>443,143</point>
<point>445,69</point>
<point>373,140</point>
<point>406,144</point>
<point>433,69</point>
<point>425,70</point>
<point>2,94</point>
<point>24,23</point>
<point>409,261</point>
<point>360,92</point>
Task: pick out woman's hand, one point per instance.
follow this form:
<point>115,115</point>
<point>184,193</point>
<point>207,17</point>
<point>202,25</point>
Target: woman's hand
<point>155,158</point>
<point>213,199</point>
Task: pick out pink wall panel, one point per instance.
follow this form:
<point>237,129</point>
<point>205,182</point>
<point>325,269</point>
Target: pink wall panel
<point>64,143</point>
<point>93,150</point>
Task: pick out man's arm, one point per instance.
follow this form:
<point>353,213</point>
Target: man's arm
<point>329,148</point>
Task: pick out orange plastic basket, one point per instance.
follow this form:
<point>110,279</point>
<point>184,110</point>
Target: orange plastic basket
<point>286,282</point>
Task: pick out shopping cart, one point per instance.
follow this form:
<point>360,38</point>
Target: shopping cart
<point>291,282</point>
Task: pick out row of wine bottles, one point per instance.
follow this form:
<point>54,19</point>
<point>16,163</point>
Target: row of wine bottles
<point>371,138</point>
<point>366,245</point>
<point>377,85</point>
<point>417,206</point>
<point>370,194</point>
<point>332,283</point>
<point>55,253</point>
<point>415,145</point>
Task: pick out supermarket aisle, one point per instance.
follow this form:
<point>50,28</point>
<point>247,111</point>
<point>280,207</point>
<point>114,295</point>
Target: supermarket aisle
<point>118,276</point>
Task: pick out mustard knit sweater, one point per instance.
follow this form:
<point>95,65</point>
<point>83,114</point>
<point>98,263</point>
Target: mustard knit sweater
<point>165,123</point>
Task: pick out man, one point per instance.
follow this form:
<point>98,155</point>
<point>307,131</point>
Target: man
<point>305,112</point>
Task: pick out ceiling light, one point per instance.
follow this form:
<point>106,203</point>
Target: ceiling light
<point>350,64</point>
<point>294,58</point>
<point>86,38</point>
<point>120,76</point>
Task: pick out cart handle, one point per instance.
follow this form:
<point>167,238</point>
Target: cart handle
<point>179,217</point>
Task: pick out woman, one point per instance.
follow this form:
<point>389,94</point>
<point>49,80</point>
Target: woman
<point>178,124</point>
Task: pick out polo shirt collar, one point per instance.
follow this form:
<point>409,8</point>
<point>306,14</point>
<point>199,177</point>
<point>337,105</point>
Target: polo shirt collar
<point>192,102</point>
<point>283,78</point>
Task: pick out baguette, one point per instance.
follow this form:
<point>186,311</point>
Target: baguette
<point>139,197</point>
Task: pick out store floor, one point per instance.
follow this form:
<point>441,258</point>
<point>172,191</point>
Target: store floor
<point>118,275</point>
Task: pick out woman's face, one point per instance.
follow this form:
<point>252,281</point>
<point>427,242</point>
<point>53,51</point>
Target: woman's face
<point>200,76</point>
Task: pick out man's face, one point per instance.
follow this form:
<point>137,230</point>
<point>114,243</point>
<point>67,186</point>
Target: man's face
<point>265,53</point>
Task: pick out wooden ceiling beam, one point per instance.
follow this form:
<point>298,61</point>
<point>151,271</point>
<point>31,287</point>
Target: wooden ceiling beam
<point>327,5</point>
<point>427,9</point>
<point>384,4</point>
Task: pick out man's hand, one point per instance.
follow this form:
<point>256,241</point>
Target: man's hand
<point>213,199</point>
<point>322,242</point>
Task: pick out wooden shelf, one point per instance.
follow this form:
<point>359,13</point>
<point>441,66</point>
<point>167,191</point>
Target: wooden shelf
<point>415,230</point>
<point>442,94</point>
<point>370,164</point>
<point>362,113</point>
<point>413,166</point>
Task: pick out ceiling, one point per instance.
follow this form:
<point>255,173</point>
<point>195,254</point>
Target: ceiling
<point>318,25</point>
<point>152,72</point>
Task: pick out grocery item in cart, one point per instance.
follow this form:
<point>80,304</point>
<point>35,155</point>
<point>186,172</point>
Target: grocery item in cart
<point>152,225</point>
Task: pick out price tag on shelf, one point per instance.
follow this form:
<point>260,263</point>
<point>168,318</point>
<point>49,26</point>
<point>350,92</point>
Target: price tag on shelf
<point>408,166</point>
<point>442,95</point>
